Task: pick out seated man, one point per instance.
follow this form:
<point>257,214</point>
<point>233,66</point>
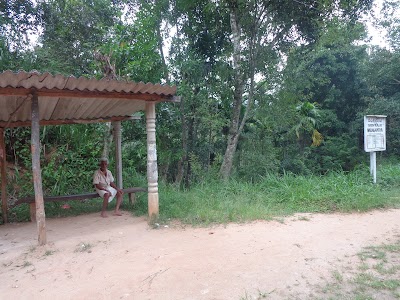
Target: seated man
<point>106,188</point>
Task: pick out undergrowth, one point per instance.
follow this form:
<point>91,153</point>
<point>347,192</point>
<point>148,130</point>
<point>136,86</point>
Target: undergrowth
<point>213,201</point>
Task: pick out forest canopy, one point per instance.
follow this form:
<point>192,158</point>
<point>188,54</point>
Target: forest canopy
<point>270,86</point>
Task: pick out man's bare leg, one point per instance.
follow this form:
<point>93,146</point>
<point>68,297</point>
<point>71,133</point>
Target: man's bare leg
<point>119,201</point>
<point>105,204</point>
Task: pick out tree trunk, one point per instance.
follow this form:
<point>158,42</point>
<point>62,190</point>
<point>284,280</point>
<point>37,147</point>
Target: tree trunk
<point>160,48</point>
<point>109,72</point>
<point>158,7</point>
<point>118,153</point>
<point>107,140</point>
<point>236,126</point>
<point>184,135</point>
<point>233,135</point>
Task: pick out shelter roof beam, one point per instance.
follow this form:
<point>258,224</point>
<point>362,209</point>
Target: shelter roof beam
<point>66,122</point>
<point>87,94</point>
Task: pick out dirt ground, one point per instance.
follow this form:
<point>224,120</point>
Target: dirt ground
<point>88,257</point>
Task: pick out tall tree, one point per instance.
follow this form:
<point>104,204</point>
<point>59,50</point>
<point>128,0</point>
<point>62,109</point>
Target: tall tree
<point>255,24</point>
<point>329,72</point>
<point>390,22</point>
<point>72,31</point>
<point>200,66</point>
<point>17,22</point>
<point>382,74</point>
<point>17,19</point>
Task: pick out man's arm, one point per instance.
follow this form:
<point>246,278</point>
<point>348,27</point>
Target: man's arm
<point>99,187</point>
<point>112,184</point>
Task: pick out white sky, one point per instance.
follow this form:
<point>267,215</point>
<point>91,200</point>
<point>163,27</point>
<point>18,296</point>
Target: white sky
<point>377,36</point>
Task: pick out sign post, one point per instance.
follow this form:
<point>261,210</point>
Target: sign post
<point>374,138</point>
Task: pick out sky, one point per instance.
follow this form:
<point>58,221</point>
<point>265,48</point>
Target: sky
<point>377,36</point>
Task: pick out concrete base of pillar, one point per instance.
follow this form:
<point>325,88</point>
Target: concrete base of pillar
<point>153,206</point>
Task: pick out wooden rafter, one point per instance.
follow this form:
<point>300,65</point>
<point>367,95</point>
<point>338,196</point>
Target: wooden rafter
<point>87,94</point>
<point>65,122</point>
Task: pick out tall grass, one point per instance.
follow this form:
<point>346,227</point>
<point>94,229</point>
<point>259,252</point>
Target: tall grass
<point>213,201</point>
<point>234,201</point>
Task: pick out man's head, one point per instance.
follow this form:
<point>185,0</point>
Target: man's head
<point>103,163</point>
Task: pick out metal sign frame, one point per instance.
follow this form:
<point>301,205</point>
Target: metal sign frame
<point>374,138</point>
<point>374,133</point>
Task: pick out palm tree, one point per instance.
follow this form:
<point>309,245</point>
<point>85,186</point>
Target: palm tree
<point>308,114</point>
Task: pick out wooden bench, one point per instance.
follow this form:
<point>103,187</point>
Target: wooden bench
<point>32,205</point>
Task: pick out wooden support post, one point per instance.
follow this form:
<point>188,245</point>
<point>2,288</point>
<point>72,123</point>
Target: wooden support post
<point>152,172</point>
<point>132,198</point>
<point>32,211</point>
<point>373,165</point>
<point>3,164</point>
<point>37,174</point>
<point>118,153</point>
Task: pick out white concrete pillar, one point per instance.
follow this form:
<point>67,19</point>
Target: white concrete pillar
<point>152,171</point>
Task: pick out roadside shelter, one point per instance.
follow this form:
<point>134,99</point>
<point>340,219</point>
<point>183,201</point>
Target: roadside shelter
<point>34,99</point>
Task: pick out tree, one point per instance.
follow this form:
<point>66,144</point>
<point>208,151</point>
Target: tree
<point>280,22</point>
<point>390,22</point>
<point>329,73</point>
<point>199,66</point>
<point>72,31</point>
<point>17,21</point>
<point>382,76</point>
<point>308,114</point>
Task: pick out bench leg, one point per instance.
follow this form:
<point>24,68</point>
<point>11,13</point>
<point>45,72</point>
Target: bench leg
<point>132,198</point>
<point>32,210</point>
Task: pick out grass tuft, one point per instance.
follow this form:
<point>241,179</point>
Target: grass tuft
<point>337,276</point>
<point>84,247</point>
<point>49,252</point>
<point>374,282</point>
<point>26,264</point>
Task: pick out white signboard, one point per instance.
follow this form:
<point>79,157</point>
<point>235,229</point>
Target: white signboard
<point>374,133</point>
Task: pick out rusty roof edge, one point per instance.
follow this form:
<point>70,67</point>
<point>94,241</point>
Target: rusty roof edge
<point>35,79</point>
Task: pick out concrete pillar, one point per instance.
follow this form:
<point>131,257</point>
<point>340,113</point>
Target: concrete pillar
<point>152,172</point>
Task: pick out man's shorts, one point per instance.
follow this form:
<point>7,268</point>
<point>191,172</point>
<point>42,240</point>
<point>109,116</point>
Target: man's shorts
<point>112,191</point>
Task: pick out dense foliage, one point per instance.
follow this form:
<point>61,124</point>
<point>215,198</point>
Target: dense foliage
<point>267,87</point>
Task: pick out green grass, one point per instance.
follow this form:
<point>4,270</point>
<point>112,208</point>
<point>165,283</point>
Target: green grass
<point>374,282</point>
<point>49,252</point>
<point>273,197</point>
<point>376,276</point>
<point>276,196</point>
<point>337,276</point>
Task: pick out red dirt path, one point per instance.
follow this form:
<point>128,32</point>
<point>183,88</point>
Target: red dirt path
<point>129,260</point>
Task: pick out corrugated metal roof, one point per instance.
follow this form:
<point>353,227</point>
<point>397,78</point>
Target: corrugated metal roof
<point>71,99</point>
<point>37,80</point>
